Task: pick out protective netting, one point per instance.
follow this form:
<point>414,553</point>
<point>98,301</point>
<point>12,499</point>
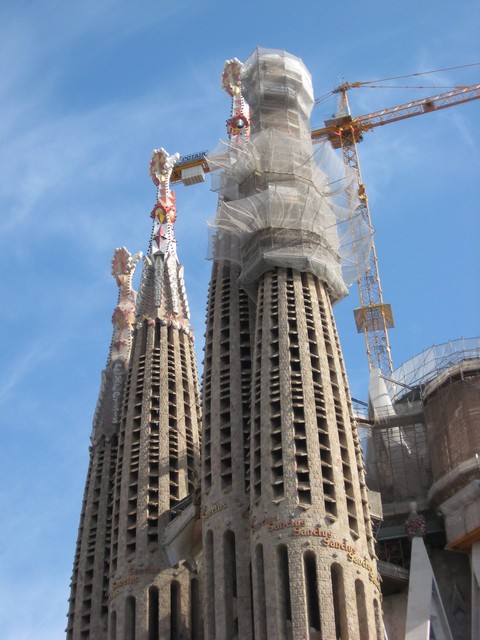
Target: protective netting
<point>282,202</point>
<point>429,364</point>
<point>303,212</point>
<point>278,88</point>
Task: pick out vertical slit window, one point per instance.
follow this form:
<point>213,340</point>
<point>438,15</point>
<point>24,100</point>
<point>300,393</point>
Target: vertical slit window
<point>260,604</point>
<point>175,612</point>
<point>361,610</point>
<point>112,627</point>
<point>153,614</point>
<point>230,581</point>
<point>210,583</point>
<point>378,620</point>
<point>195,610</point>
<point>311,592</point>
<point>339,609</point>
<point>284,582</point>
<point>130,618</point>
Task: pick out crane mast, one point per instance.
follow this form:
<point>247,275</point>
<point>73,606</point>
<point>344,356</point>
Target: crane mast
<point>373,318</point>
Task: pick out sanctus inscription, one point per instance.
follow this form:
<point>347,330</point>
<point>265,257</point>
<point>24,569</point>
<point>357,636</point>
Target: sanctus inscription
<point>207,513</point>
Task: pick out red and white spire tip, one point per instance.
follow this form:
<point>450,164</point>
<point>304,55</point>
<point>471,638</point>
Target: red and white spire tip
<point>164,212</point>
<point>238,125</point>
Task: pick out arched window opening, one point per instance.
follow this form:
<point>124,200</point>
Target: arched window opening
<point>112,627</point>
<point>153,614</point>
<point>210,583</point>
<point>175,612</point>
<point>378,620</point>
<point>195,610</point>
<point>259,603</point>
<point>230,581</point>
<point>339,608</point>
<point>130,616</point>
<point>311,592</point>
<point>284,586</point>
<point>361,610</point>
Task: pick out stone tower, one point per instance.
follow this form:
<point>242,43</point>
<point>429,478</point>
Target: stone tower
<point>144,463</point>
<point>226,435</point>
<point>278,422</point>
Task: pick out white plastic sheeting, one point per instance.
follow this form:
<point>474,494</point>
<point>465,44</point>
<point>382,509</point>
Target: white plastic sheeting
<point>428,364</point>
<point>303,212</point>
<point>278,88</point>
<point>283,202</point>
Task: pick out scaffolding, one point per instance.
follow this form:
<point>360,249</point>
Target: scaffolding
<point>429,364</point>
<point>452,413</point>
<point>282,203</point>
<point>424,445</point>
<point>398,465</point>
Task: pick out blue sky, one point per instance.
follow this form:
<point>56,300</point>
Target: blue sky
<point>87,91</point>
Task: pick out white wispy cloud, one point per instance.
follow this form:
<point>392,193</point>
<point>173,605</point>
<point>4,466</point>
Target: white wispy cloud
<point>74,153</point>
<point>36,354</point>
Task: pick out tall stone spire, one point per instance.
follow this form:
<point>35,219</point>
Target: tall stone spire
<point>124,585</point>
<point>277,410</point>
<point>87,617</point>
<point>226,432</point>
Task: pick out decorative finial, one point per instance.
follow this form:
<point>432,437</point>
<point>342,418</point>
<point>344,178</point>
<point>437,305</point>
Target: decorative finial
<point>123,268</point>
<point>231,77</point>
<point>164,212</point>
<point>238,125</point>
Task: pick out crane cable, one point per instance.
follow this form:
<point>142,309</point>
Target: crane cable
<point>412,86</point>
<point>420,73</point>
<point>372,83</point>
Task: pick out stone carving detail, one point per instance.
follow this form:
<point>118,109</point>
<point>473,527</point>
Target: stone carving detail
<point>164,212</point>
<point>238,125</point>
<point>123,268</point>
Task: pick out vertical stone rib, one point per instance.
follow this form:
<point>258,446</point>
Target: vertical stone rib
<point>226,411</point>
<point>309,515</point>
<point>308,495</point>
<point>160,458</point>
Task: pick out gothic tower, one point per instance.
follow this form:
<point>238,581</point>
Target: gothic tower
<point>226,431</point>
<point>88,610</point>
<point>144,464</point>
<point>311,560</point>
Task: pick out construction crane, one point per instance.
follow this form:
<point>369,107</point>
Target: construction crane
<point>373,317</point>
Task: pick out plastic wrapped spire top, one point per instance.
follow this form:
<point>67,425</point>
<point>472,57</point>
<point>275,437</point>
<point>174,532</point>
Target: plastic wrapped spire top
<point>281,203</point>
